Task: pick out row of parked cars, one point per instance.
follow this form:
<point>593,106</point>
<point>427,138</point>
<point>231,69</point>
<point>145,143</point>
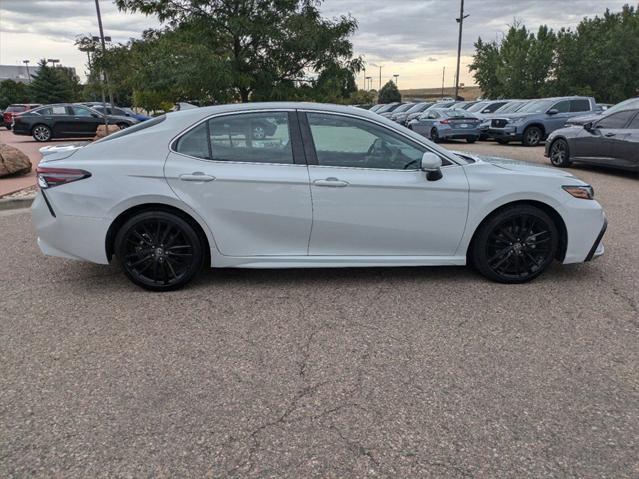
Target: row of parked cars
<point>66,120</point>
<point>575,128</point>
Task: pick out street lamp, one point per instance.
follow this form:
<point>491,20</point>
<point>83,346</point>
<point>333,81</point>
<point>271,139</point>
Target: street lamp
<point>26,62</point>
<point>53,61</point>
<point>396,77</point>
<point>104,73</point>
<point>369,83</point>
<point>460,20</point>
<point>380,74</point>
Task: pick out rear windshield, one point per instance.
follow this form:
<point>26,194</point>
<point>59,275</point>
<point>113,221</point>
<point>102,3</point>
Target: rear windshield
<point>134,129</point>
<point>15,108</point>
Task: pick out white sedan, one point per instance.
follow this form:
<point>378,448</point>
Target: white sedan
<point>292,185</point>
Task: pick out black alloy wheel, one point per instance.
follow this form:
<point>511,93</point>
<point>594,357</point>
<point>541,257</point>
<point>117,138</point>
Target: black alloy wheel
<point>532,136</point>
<point>515,245</point>
<point>159,250</point>
<point>559,154</point>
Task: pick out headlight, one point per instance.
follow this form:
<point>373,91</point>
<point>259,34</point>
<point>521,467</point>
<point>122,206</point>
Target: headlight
<point>582,192</point>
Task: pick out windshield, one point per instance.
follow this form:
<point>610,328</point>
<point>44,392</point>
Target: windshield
<point>388,108</point>
<point>628,104</point>
<point>510,107</point>
<point>477,106</point>
<point>537,106</point>
<point>419,107</point>
<point>15,108</point>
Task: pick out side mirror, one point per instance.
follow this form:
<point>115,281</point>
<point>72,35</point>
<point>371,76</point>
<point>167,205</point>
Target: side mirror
<point>431,164</point>
<point>588,126</point>
<point>552,111</point>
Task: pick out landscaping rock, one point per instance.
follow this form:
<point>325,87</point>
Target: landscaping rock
<point>104,130</point>
<point>13,161</point>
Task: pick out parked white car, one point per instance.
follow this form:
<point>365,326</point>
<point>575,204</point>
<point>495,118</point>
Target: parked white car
<point>290,185</point>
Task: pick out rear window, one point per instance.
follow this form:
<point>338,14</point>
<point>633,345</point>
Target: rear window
<point>134,129</point>
<point>15,108</point>
<point>579,105</point>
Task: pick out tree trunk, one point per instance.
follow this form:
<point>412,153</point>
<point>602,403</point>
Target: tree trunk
<point>244,94</point>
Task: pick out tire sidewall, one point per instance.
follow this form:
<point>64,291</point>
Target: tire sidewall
<point>566,160</point>
<point>189,231</point>
<point>527,132</point>
<point>41,126</point>
<point>479,243</point>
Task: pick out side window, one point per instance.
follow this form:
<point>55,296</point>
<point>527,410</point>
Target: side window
<point>491,108</point>
<point>81,111</point>
<point>44,111</point>
<point>117,111</point>
<point>351,142</point>
<point>247,137</point>
<point>616,120</point>
<point>579,105</point>
<point>634,124</point>
<point>562,106</point>
<point>433,115</point>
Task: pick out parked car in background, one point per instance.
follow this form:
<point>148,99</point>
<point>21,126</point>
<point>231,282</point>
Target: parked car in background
<point>612,140</point>
<point>121,111</point>
<point>416,114</point>
<point>177,193</point>
<point>536,120</point>
<point>413,112</point>
<point>487,106</point>
<point>400,109</point>
<point>389,108</point>
<point>64,120</point>
<point>374,108</point>
<point>13,109</point>
<point>510,107</point>
<point>447,124</point>
<point>628,104</point>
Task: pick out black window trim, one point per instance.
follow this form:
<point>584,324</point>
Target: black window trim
<point>624,127</point>
<point>297,149</point>
<point>311,154</point>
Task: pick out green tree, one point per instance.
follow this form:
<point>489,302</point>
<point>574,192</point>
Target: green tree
<point>389,93</point>
<point>484,66</point>
<point>54,85</point>
<point>246,48</point>
<point>12,92</point>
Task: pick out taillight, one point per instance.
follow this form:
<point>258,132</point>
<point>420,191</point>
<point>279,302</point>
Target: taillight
<point>50,177</point>
<point>444,122</point>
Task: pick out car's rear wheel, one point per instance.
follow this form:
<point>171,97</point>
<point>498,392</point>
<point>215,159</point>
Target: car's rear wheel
<point>532,136</point>
<point>516,244</point>
<point>434,135</point>
<point>41,133</point>
<point>159,250</point>
<point>559,154</point>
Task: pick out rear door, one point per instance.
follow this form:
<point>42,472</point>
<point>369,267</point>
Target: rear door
<point>370,197</point>
<point>253,192</point>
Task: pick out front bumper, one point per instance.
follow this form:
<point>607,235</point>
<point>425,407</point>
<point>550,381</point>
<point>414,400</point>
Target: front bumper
<point>598,247</point>
<point>506,133</point>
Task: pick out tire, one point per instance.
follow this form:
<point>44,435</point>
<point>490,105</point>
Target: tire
<point>122,126</point>
<point>501,141</point>
<point>41,133</point>
<point>502,253</point>
<point>532,136</point>
<point>471,140</point>
<point>8,127</point>
<point>258,132</point>
<point>159,251</point>
<point>434,135</point>
<point>559,154</point>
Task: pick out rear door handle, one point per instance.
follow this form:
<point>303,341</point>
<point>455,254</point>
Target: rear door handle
<point>609,134</point>
<point>197,176</point>
<point>331,182</point>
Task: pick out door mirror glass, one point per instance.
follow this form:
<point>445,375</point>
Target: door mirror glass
<point>431,164</point>
<point>552,111</point>
<point>588,126</point>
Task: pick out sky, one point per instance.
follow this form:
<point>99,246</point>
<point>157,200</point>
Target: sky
<point>415,39</point>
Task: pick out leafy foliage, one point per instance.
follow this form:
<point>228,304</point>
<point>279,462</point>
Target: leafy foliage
<point>389,93</point>
<point>594,59</point>
<point>12,92</point>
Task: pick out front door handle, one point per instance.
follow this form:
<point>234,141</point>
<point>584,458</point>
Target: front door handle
<point>331,182</point>
<point>609,134</point>
<point>197,176</point>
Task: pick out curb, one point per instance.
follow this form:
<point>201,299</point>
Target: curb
<point>15,203</point>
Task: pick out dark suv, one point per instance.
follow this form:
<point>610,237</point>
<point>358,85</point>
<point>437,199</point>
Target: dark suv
<point>13,109</point>
<point>535,121</point>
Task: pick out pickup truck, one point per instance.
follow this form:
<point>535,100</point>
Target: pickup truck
<point>535,121</point>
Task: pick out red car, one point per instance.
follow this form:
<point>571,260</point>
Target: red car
<point>7,116</point>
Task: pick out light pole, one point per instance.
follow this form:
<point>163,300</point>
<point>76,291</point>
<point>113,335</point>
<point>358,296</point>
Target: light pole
<point>369,83</point>
<point>443,75</point>
<point>26,62</point>
<point>396,76</point>
<point>364,78</point>
<point>106,80</point>
<point>460,20</point>
<point>53,61</point>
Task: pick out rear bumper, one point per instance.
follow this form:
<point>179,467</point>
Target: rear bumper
<point>459,133</point>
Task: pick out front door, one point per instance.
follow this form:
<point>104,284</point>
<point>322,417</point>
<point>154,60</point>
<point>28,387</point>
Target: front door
<point>85,121</point>
<point>605,142</point>
<point>371,199</point>
<point>249,184</point>
<point>557,120</point>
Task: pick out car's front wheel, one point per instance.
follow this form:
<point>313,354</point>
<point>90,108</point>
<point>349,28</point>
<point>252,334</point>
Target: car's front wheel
<point>532,136</point>
<point>515,245</point>
<point>41,133</point>
<point>434,135</point>
<point>159,250</point>
<point>559,154</point>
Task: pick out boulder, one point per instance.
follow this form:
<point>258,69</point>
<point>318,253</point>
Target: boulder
<point>104,130</point>
<point>13,161</point>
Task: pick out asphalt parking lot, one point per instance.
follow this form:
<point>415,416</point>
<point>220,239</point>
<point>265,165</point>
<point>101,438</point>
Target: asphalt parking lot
<point>401,372</point>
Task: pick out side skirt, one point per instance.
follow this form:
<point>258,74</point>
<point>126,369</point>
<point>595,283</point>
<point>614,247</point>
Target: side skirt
<point>334,261</point>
